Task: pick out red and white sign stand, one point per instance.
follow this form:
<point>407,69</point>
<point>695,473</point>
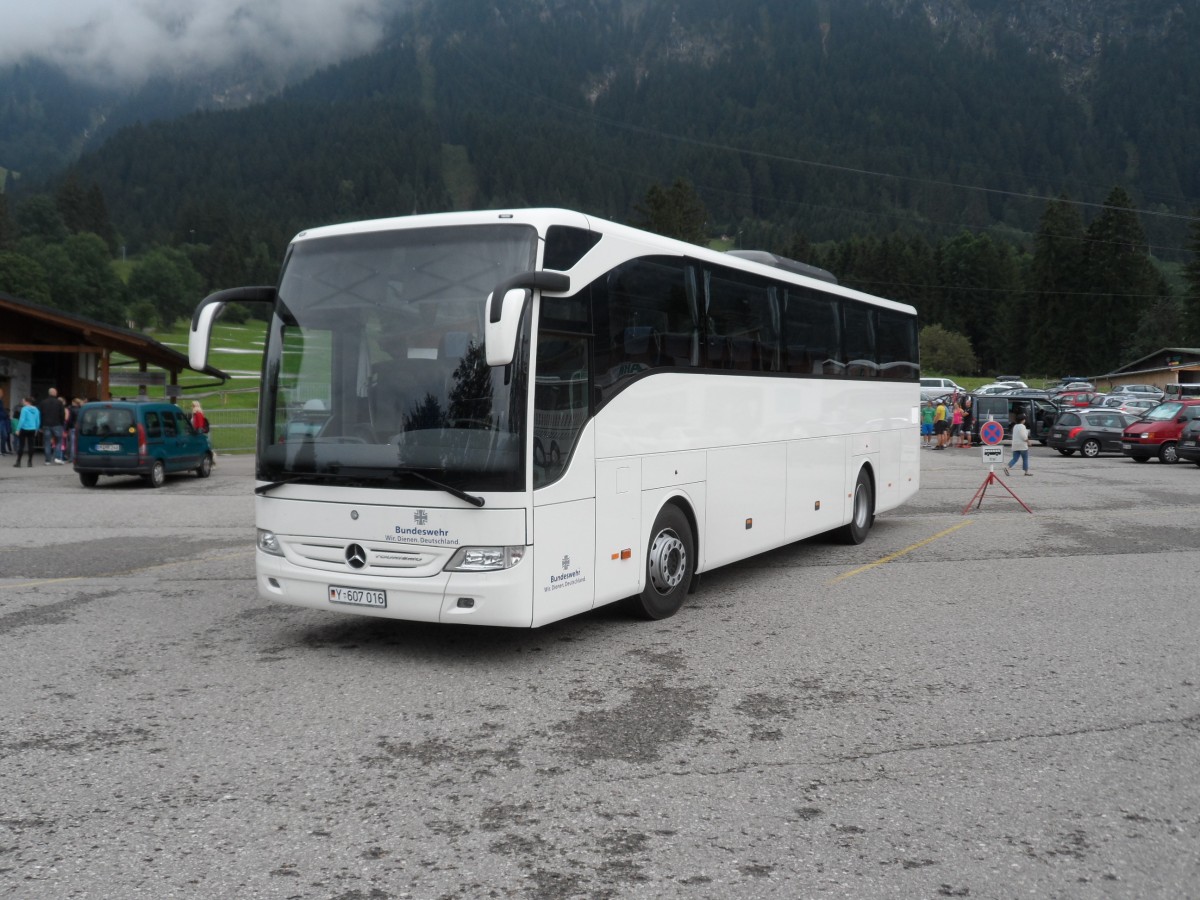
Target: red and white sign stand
<point>991,433</point>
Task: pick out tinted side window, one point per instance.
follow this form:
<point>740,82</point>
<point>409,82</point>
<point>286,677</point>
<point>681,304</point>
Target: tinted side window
<point>896,345</point>
<point>644,316</point>
<point>168,421</point>
<point>153,425</point>
<point>859,340</point>
<point>560,406</point>
<point>742,323</point>
<point>812,329</point>
<point>1068,419</point>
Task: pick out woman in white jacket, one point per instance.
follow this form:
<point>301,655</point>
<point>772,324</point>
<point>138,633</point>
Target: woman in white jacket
<point>1020,444</point>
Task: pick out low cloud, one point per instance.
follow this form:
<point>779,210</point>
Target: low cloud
<point>128,41</point>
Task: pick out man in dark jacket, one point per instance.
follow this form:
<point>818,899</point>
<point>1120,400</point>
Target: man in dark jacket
<point>53,419</point>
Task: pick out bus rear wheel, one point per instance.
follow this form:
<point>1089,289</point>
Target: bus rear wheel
<point>670,564</point>
<point>863,515</point>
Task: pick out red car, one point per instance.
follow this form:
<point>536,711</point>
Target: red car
<point>1158,433</point>
<point>1077,398</point>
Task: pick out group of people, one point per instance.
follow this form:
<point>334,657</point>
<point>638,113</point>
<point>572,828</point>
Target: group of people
<point>946,422</point>
<point>53,417</point>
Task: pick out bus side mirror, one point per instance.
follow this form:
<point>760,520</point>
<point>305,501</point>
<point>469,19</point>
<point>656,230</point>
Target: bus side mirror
<point>500,337</point>
<point>504,308</point>
<point>206,313</point>
<point>200,333</point>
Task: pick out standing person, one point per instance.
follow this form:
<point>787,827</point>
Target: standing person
<point>5,428</point>
<point>939,425</point>
<point>53,419</point>
<point>966,422</point>
<point>72,413</point>
<point>956,420</point>
<point>926,423</point>
<point>27,429</point>
<point>199,420</point>
<point>1020,444</point>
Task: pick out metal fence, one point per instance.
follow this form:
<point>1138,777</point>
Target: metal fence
<point>232,430</point>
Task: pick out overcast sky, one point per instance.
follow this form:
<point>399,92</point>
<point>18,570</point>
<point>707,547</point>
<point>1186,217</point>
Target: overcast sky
<point>127,40</point>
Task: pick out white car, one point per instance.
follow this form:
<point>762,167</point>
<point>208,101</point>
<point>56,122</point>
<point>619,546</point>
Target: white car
<point>938,387</point>
<point>999,387</point>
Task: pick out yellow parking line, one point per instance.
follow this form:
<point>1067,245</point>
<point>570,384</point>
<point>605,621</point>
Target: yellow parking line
<point>900,553</point>
<point>139,571</point>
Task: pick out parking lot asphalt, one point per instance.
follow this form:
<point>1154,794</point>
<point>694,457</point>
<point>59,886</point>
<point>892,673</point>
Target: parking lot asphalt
<point>995,704</point>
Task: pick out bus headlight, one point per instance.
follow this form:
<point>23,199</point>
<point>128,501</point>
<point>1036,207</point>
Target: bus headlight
<point>269,543</point>
<point>485,559</point>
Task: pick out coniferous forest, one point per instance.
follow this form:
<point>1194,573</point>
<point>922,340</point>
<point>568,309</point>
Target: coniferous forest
<point>1046,213</point>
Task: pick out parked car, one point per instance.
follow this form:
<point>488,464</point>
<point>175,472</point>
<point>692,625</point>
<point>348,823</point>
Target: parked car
<point>1078,398</point>
<point>1189,442</point>
<point>150,439</point>
<point>1158,432</point>
<point>997,387</point>
<point>1090,431</point>
<point>938,387</point>
<point>1068,381</point>
<point>1039,413</point>
<point>1181,391</point>
<point>1014,380</point>
<point>1138,390</point>
<point>1136,406</point>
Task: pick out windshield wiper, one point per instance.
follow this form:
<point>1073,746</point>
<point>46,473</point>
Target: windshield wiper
<point>452,491</point>
<point>311,478</point>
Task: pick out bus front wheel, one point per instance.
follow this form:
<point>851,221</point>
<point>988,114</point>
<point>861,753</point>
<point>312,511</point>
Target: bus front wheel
<point>670,564</point>
<point>863,514</point>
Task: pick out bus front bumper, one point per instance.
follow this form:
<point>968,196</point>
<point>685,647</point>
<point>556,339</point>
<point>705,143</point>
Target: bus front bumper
<point>502,598</point>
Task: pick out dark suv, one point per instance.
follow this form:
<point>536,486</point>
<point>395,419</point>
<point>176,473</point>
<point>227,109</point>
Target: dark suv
<point>1039,414</point>
<point>150,439</point>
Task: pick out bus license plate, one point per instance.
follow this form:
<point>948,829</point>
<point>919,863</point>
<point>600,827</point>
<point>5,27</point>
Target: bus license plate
<point>357,597</point>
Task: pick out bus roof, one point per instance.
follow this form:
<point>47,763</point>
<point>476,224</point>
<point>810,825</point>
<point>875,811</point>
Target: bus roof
<point>636,241</point>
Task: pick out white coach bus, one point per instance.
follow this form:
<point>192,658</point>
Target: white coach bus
<point>507,418</point>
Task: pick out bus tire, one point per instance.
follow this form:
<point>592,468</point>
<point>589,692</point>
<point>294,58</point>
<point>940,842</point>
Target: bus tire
<point>862,515</point>
<point>670,564</point>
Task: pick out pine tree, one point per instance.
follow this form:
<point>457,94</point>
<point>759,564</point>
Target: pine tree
<point>1191,302</point>
<point>1056,291</point>
<point>674,212</point>
<point>1122,281</point>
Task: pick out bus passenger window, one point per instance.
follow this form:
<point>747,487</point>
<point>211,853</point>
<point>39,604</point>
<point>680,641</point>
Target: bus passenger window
<point>859,340</point>
<point>644,319</point>
<point>743,323</point>
<point>812,325</point>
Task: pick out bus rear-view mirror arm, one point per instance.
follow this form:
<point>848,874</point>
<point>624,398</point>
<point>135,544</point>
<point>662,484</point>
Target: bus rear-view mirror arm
<point>206,313</point>
<point>504,308</point>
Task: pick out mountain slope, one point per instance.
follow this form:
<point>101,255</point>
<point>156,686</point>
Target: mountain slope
<point>817,117</point>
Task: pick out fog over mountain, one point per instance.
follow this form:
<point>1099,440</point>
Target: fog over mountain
<point>125,42</point>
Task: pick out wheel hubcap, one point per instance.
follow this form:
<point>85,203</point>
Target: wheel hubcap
<point>668,561</point>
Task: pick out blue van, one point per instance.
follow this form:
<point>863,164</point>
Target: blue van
<point>150,439</point>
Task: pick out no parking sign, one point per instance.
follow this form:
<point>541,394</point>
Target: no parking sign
<point>991,433</point>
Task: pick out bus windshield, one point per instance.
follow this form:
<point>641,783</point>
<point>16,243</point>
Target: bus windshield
<point>375,366</point>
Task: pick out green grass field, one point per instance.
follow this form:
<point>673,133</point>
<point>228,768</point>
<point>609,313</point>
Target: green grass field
<point>234,349</point>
